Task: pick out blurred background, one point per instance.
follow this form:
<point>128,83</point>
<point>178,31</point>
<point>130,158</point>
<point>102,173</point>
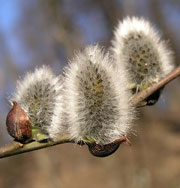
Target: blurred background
<point>49,32</point>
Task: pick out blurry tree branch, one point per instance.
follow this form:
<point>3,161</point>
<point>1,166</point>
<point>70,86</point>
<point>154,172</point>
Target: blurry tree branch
<point>63,27</point>
<point>158,17</point>
<point>15,148</point>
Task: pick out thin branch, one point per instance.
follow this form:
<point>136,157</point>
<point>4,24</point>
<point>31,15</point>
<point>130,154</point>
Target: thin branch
<point>149,91</point>
<point>15,148</point>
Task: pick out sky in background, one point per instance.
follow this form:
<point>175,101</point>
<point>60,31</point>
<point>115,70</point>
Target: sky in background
<point>11,12</point>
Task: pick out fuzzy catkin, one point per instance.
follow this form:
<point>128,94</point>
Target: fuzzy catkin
<point>40,94</point>
<point>138,47</point>
<point>96,100</point>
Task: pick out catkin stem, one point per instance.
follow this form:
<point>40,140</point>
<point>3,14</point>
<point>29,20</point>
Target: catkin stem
<point>15,148</point>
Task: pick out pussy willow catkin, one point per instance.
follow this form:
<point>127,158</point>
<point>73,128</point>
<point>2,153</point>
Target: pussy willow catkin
<point>39,94</point>
<point>138,47</point>
<point>96,99</point>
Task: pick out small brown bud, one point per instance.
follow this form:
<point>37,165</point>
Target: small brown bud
<point>152,99</point>
<point>108,149</point>
<point>18,124</point>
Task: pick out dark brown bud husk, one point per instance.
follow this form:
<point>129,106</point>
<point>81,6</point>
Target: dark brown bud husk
<point>108,149</point>
<point>18,124</point>
<point>152,99</point>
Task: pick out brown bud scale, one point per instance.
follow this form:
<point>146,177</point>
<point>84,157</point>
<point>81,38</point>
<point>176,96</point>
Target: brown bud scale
<point>108,149</point>
<point>18,124</point>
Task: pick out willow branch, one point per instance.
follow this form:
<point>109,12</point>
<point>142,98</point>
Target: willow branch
<point>149,91</point>
<point>15,148</point>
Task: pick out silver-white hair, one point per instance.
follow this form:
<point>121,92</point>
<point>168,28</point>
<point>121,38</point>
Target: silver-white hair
<point>39,93</point>
<point>138,47</point>
<point>96,99</point>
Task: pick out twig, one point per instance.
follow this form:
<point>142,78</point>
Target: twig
<point>15,148</point>
<point>149,91</point>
